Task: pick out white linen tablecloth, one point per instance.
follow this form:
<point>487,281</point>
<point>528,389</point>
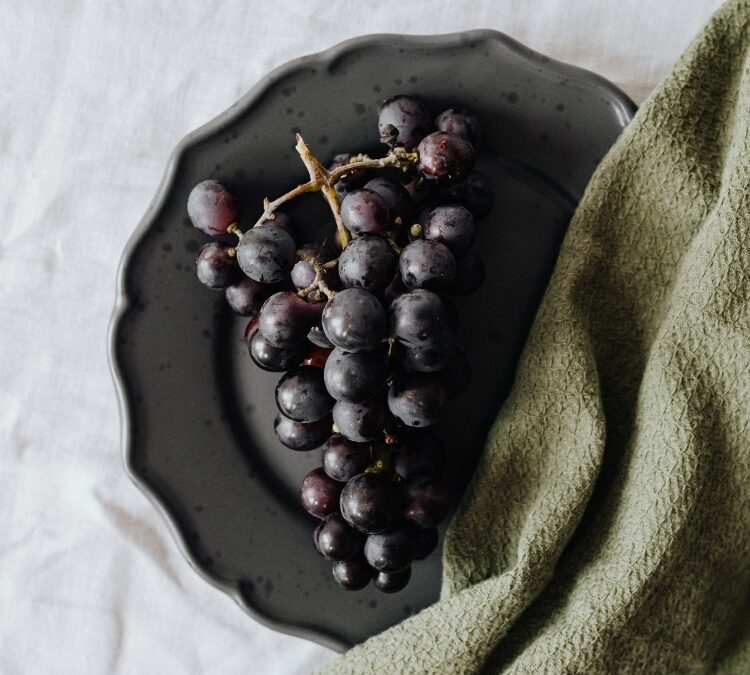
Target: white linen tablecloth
<point>94,97</point>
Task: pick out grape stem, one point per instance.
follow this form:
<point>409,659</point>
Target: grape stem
<point>319,282</point>
<point>323,180</point>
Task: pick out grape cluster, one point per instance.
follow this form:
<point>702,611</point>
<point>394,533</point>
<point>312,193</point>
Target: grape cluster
<point>366,338</point>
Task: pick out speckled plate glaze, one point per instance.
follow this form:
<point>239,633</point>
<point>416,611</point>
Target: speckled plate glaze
<point>197,416</point>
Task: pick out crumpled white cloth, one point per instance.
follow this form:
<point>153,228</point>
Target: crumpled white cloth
<point>94,97</point>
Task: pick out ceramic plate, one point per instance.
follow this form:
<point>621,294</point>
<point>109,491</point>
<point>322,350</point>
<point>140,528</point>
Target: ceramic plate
<point>197,416</point>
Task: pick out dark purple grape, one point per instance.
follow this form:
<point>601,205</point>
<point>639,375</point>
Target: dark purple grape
<point>354,320</point>
<point>474,192</point>
<point>461,122</point>
<point>469,275</point>
<point>320,494</point>
<point>355,377</point>
<point>404,121</point>
<point>390,551</point>
<point>371,502</point>
<point>299,436</point>
<point>361,421</point>
<point>417,399</point>
<point>353,574</point>
<point>282,221</point>
<point>423,455</point>
<point>246,296</point>
<point>316,356</point>
<point>211,207</point>
<point>430,359</point>
<point>316,335</point>
<point>214,266</point>
<point>427,264</point>
<point>301,395</point>
<point>251,329</point>
<point>456,376</point>
<point>426,502</point>
<point>266,253</point>
<point>285,319</point>
<point>343,459</point>
<point>367,262</point>
<point>419,318</point>
<point>452,225</point>
<point>271,358</point>
<point>303,274</point>
<point>424,541</point>
<point>392,582</point>
<point>364,212</point>
<point>335,539</point>
<point>395,196</point>
<point>445,157</point>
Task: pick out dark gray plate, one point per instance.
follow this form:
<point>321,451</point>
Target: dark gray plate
<point>197,417</point>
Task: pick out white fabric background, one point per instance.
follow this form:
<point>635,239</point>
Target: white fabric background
<point>93,97</point>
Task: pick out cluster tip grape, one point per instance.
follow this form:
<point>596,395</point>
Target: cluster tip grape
<point>366,335</point>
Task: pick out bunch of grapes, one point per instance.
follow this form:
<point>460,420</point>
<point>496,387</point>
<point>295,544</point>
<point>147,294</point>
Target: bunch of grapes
<point>366,338</point>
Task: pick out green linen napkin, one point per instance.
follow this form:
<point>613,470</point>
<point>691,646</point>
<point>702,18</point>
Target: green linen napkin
<point>607,528</point>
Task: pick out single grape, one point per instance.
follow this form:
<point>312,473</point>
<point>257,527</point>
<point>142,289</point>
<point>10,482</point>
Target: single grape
<point>423,455</point>
<point>274,359</point>
<point>335,539</point>
<point>317,335</point>
<point>214,266</point>
<point>469,275</point>
<point>371,502</point>
<point>316,356</point>
<point>285,319</point>
<point>352,574</point>
<point>355,377</point>
<point>364,212</point>
<point>392,582</point>
<point>430,359</point>
<point>474,192</point>
<point>410,119</point>
<point>320,494</point>
<point>367,262</point>
<point>461,122</point>
<point>456,376</point>
<point>299,436</point>
<point>417,399</point>
<point>361,421</point>
<point>452,225</point>
<point>266,253</point>
<point>390,551</point>
<point>246,296</point>
<point>426,502</point>
<point>395,196</point>
<point>419,318</point>
<point>211,207</point>
<point>445,157</point>
<point>427,264</point>
<point>301,395</point>
<point>424,541</point>
<point>354,320</point>
<point>343,459</point>
<point>303,274</point>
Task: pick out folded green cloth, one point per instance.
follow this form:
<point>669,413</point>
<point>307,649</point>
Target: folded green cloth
<point>607,528</point>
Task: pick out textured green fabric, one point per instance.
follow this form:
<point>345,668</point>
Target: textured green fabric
<point>607,529</point>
